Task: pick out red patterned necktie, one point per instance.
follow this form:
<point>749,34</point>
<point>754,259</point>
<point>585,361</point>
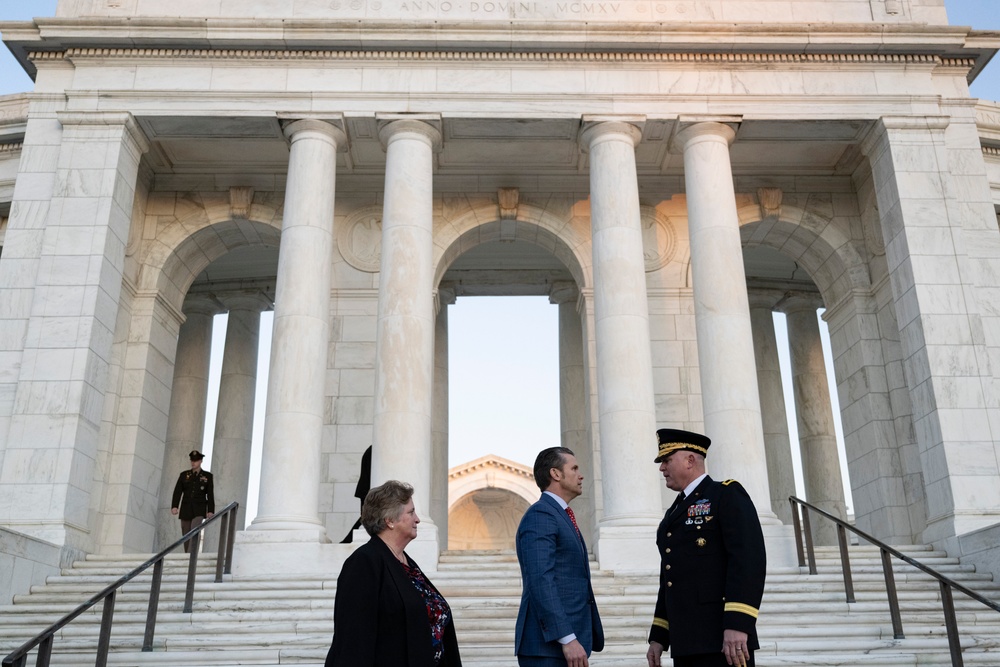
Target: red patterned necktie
<point>572,517</point>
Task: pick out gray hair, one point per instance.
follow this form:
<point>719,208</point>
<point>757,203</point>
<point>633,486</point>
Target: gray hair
<point>384,503</point>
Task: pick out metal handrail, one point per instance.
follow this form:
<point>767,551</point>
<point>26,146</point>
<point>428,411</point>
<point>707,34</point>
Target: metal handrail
<point>946,584</point>
<point>44,640</point>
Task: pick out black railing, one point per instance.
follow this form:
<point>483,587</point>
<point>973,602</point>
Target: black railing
<point>224,564</point>
<point>808,556</point>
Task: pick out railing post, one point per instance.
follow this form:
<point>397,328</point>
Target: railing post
<point>845,562</point>
<point>44,656</point>
<point>890,589</point>
<point>104,640</point>
<point>951,623</point>
<point>220,557</point>
<point>192,570</point>
<point>807,529</point>
<point>154,603</point>
<point>232,539</point>
<point>798,533</point>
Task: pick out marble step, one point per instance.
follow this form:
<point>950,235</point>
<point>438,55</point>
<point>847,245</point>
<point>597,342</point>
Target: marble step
<point>288,620</point>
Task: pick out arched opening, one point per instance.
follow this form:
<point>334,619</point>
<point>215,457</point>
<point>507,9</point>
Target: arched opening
<point>485,519</point>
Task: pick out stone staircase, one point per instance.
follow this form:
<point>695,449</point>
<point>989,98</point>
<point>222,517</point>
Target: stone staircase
<point>284,620</point>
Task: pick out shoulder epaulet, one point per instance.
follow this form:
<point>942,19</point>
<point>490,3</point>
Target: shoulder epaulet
<point>728,482</point>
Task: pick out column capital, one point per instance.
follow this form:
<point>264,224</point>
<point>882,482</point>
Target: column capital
<point>797,301</point>
<point>331,129</point>
<point>603,128</point>
<point>762,297</point>
<point>443,296</point>
<point>426,126</point>
<point>252,300</point>
<point>107,119</point>
<point>880,127</point>
<point>201,304</point>
<point>563,292</point>
<point>689,130</point>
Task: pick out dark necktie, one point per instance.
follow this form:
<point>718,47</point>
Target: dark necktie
<point>572,517</point>
<point>677,504</point>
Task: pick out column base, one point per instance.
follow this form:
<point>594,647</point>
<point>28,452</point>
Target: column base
<point>623,548</point>
<point>263,552</point>
<point>779,541</point>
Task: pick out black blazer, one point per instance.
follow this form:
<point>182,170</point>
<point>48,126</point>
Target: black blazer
<point>712,564</point>
<point>379,617</point>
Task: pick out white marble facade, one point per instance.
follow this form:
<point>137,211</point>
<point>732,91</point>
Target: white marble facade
<point>364,163</point>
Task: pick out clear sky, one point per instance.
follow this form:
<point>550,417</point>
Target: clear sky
<point>503,362</point>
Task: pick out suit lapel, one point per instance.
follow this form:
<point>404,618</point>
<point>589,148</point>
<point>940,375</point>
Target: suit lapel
<point>568,523</point>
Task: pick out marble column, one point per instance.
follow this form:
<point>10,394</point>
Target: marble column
<point>237,392</point>
<point>573,399</point>
<point>188,403</point>
<point>722,314</point>
<point>817,436</point>
<point>439,437</point>
<point>404,339</point>
<point>296,391</point>
<point>631,494</point>
<point>777,445</point>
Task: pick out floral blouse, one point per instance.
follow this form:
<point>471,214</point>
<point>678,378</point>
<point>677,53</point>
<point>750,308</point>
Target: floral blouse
<point>438,612</point>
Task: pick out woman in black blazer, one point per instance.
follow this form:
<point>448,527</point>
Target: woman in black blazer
<point>387,612</point>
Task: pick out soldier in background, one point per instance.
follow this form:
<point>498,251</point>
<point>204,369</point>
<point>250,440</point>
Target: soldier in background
<point>361,490</point>
<point>194,496</point>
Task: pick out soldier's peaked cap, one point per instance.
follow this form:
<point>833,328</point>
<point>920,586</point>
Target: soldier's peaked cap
<point>195,455</point>
<point>670,440</point>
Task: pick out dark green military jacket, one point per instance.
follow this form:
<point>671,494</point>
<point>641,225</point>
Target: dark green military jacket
<point>193,494</point>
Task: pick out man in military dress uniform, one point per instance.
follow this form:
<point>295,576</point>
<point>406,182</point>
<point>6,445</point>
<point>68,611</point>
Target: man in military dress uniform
<point>711,562</point>
<point>194,497</point>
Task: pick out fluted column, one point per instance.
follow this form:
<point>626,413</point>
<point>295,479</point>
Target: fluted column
<point>624,359</point>
<point>817,435</point>
<point>722,313</point>
<point>290,461</point>
<point>780,470</point>
<point>188,401</point>
<point>237,391</point>
<point>404,341</point>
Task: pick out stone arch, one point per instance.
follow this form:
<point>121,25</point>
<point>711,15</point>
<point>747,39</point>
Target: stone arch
<point>487,497</point>
<point>168,263</point>
<point>816,242</point>
<point>557,229</point>
<point>184,246</point>
<point>873,438</point>
<point>491,472</point>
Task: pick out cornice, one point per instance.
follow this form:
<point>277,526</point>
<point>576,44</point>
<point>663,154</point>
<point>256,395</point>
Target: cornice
<point>695,57</point>
<point>490,37</point>
<point>490,461</point>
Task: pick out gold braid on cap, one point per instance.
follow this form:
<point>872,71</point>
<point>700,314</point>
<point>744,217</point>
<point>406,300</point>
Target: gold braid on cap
<point>671,447</point>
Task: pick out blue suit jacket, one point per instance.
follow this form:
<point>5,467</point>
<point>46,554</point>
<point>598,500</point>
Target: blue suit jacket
<point>556,598</point>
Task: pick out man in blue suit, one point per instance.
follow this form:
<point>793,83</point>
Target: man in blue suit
<point>558,624</point>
